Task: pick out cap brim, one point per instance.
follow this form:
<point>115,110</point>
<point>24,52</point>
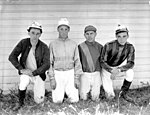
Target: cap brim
<point>63,25</point>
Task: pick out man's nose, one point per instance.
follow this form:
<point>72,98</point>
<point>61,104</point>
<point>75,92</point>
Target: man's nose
<point>35,36</point>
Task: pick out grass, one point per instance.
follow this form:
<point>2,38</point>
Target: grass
<point>116,106</point>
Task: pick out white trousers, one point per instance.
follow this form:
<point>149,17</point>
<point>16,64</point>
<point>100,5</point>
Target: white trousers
<point>65,83</point>
<point>90,82</point>
<point>39,86</point>
<point>108,83</point>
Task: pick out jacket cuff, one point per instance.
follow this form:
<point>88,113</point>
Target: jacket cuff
<point>20,67</point>
<point>121,69</point>
<point>34,73</point>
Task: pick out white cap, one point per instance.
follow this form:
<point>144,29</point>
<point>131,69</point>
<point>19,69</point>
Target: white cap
<point>35,25</point>
<point>121,28</point>
<point>63,21</point>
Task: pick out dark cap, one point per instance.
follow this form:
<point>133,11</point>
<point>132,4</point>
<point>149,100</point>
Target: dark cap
<point>90,28</point>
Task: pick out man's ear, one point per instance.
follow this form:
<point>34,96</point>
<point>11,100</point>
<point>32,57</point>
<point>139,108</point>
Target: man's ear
<point>95,33</point>
<point>68,29</point>
<point>57,28</point>
<point>84,34</point>
<point>128,36</point>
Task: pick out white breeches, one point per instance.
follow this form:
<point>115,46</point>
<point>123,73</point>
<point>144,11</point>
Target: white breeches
<point>90,82</point>
<point>107,81</point>
<point>39,86</point>
<point>65,83</point>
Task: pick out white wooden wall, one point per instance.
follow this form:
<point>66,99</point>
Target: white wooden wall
<point>16,15</point>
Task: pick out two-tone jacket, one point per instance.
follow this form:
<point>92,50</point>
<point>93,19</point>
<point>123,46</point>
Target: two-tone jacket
<point>42,57</point>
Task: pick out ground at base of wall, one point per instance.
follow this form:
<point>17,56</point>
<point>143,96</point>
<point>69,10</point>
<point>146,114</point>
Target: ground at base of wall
<point>117,106</point>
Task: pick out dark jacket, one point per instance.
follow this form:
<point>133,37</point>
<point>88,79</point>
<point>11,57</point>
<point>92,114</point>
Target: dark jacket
<point>42,57</point>
<point>111,58</point>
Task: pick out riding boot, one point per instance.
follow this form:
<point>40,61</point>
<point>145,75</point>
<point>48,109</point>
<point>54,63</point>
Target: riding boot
<point>21,100</point>
<point>124,90</point>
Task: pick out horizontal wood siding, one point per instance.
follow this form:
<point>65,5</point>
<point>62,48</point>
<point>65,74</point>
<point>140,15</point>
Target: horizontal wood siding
<point>105,15</point>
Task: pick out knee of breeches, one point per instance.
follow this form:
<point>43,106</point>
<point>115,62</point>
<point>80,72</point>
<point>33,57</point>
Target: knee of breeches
<point>38,100</point>
<point>57,101</point>
<point>74,100</point>
<point>129,75</point>
<point>83,96</point>
<point>95,97</point>
<point>24,82</point>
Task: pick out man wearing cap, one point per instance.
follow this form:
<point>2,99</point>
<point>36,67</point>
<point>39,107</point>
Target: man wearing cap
<point>90,54</point>
<point>65,67</point>
<point>118,61</point>
<point>32,64</point>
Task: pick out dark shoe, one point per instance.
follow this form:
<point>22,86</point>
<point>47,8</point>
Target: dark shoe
<point>126,97</point>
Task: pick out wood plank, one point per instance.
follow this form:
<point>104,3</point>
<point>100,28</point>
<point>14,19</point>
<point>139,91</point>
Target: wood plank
<point>52,20</point>
<point>73,7</point>
<point>74,15</point>
<point>87,2</point>
<point>13,72</point>
<point>142,61</point>
<point>142,68</point>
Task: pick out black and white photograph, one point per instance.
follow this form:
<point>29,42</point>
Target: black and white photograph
<point>74,57</point>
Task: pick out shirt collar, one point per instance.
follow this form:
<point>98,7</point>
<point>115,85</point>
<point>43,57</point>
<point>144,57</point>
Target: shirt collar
<point>63,39</point>
<point>90,43</point>
<point>120,44</point>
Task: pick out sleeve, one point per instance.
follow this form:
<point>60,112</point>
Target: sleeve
<point>100,51</point>
<point>46,63</point>
<point>51,69</point>
<point>13,57</point>
<point>77,63</point>
<point>104,59</point>
<point>130,60</point>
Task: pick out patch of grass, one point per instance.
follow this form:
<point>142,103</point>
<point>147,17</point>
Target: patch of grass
<point>117,106</point>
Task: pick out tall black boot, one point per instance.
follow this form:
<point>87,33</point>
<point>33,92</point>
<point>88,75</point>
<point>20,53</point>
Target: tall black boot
<point>21,100</point>
<point>124,90</point>
<point>126,85</point>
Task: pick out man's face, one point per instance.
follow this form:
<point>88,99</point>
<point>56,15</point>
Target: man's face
<point>34,34</point>
<point>63,31</point>
<point>90,36</point>
<point>122,37</point>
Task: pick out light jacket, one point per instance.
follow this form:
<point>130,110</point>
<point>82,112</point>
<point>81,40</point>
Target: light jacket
<point>64,55</point>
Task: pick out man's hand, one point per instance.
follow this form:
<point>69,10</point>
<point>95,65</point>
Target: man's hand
<point>53,83</point>
<point>27,72</point>
<point>115,71</point>
<point>77,83</point>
